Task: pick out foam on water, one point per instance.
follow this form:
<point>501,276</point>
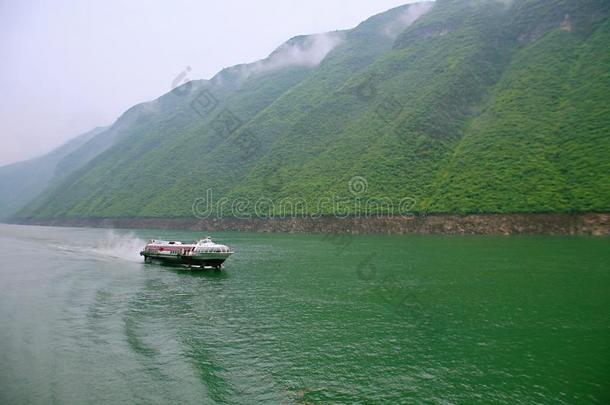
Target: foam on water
<point>111,244</point>
<point>120,246</point>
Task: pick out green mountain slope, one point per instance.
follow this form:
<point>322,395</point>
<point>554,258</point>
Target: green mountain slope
<point>202,137</point>
<point>456,106</point>
<point>542,143</point>
<point>21,182</point>
<point>398,134</point>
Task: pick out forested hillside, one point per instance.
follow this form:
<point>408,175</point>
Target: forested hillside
<point>462,106</point>
<point>21,182</point>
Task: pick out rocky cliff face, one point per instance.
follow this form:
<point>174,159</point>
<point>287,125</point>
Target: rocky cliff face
<point>516,224</point>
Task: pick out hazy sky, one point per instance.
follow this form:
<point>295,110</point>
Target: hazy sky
<point>69,66</point>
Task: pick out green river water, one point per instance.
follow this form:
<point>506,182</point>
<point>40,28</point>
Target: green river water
<point>304,319</point>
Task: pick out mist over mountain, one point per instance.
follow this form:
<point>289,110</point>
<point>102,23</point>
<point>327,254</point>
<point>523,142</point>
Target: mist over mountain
<point>21,182</point>
<point>462,106</point>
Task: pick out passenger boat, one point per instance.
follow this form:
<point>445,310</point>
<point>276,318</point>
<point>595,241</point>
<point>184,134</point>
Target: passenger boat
<point>203,253</point>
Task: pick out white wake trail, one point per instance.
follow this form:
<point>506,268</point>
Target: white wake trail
<point>120,246</point>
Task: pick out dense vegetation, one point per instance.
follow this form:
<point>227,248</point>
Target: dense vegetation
<point>21,182</point>
<point>476,106</point>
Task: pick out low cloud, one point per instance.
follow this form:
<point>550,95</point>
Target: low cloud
<point>408,17</point>
<point>302,51</point>
<point>306,50</point>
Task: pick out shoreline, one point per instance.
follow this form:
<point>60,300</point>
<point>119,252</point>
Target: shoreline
<point>590,224</point>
